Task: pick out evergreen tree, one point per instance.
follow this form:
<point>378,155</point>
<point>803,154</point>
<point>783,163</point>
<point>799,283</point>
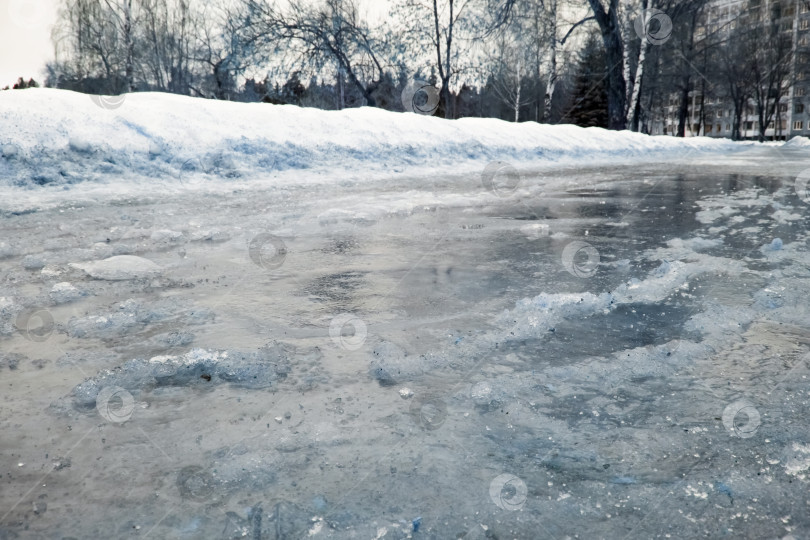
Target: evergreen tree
<point>589,101</point>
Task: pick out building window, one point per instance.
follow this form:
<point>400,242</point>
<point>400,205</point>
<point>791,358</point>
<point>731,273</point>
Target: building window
<point>749,126</point>
<point>728,127</point>
<point>718,128</point>
<point>798,125</point>
<point>799,108</point>
<point>799,92</point>
<point>804,25</point>
<point>719,114</point>
<point>783,108</point>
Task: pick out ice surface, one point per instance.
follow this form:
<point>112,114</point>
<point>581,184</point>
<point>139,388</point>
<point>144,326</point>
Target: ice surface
<point>604,395</point>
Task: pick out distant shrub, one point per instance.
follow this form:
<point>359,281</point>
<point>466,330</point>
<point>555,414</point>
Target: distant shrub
<point>22,84</point>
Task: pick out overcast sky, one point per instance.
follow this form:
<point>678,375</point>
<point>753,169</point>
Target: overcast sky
<point>25,38</point>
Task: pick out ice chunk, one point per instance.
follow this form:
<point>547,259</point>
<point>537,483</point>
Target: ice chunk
<point>6,251</point>
<point>64,292</point>
<point>120,267</point>
<point>201,367</point>
<point>167,237</point>
<point>33,262</point>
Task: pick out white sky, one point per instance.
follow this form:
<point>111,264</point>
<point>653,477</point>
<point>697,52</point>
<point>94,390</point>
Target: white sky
<point>25,38</point>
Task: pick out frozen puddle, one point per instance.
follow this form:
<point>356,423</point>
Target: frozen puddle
<point>604,353</point>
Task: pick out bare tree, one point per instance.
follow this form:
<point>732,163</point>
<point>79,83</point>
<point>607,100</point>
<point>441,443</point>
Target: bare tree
<point>169,35</point>
<point>331,31</point>
<point>437,29</point>
<point>770,67</point>
<point>121,14</point>
<point>509,71</point>
<point>736,72</point>
<point>220,50</point>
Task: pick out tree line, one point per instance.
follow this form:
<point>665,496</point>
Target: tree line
<point>619,64</point>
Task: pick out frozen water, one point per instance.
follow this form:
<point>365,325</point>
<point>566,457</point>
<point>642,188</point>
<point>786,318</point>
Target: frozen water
<point>499,386</point>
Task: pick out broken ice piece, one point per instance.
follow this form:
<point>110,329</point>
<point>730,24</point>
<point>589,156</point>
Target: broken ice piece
<point>406,393</point>
<point>120,267</point>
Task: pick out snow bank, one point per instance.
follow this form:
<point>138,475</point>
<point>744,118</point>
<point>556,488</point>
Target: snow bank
<point>798,142</point>
<point>57,137</point>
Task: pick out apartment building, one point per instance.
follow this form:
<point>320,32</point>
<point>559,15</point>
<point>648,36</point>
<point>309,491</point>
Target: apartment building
<point>793,116</point>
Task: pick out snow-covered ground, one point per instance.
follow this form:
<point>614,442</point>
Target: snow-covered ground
<point>375,325</point>
<point>62,139</point>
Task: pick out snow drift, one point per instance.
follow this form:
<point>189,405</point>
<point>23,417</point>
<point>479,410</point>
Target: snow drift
<point>58,137</point>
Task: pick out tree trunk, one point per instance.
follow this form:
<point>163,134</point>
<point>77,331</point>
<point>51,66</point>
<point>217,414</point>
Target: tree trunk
<point>130,46</point>
<point>632,109</point>
<point>517,93</point>
<point>342,97</point>
<point>551,84</point>
<point>628,29</point>
<point>610,29</point>
<point>686,76</point>
<point>683,107</point>
<point>444,70</point>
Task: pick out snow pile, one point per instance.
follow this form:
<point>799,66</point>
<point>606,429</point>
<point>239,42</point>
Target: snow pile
<point>798,142</point>
<point>57,137</point>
